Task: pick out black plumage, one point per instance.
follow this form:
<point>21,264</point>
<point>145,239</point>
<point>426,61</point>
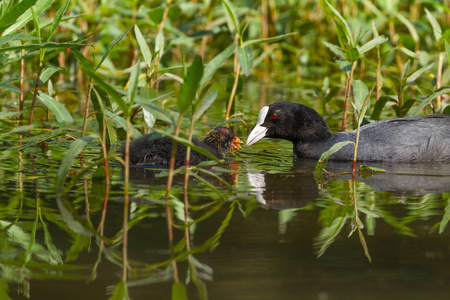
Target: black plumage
<point>154,150</point>
<point>411,139</point>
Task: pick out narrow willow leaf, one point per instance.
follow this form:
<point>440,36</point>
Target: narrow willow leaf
<point>111,46</point>
<point>20,129</point>
<point>157,112</point>
<point>445,218</point>
<point>38,7</point>
<point>245,58</point>
<point>437,31</point>
<point>80,242</point>
<point>122,123</point>
<point>344,65</point>
<point>159,45</point>
<point>204,104</point>
<point>75,148</point>
<point>411,78</point>
<point>352,54</point>
<point>360,92</point>
<point>231,15</point>
<point>145,50</point>
<point>9,87</point>
<point>84,63</point>
<point>149,118</point>
<point>190,85</point>
<point>268,40</point>
<point>120,292</point>
<point>216,63</point>
<point>49,71</point>
<point>45,45</point>
<point>447,49</point>
<point>4,289</point>
<point>133,82</point>
<point>412,30</point>
<point>100,102</point>
<point>326,155</point>
<point>405,71</point>
<point>179,291</point>
<point>115,96</point>
<point>57,18</point>
<point>346,28</point>
<point>409,52</point>
<point>416,110</point>
<point>335,49</point>
<point>61,113</point>
<point>372,44</point>
<point>11,16</point>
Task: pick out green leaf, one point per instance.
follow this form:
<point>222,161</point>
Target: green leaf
<point>360,92</point>
<point>372,44</point>
<point>216,63</point>
<point>416,110</point>
<point>48,71</point>
<point>179,291</point>
<point>61,113</point>
<point>335,49</point>
<point>326,155</point>
<point>11,16</point>
<point>120,292</point>
<point>344,65</point>
<point>409,52</point>
<point>80,243</point>
<point>57,18</point>
<point>405,71</point>
<point>245,58</point>
<point>204,104</point>
<point>4,289</point>
<point>4,85</point>
<point>159,45</point>
<point>190,85</point>
<point>100,102</point>
<point>346,28</point>
<point>122,123</point>
<point>45,45</point>
<point>145,50</point>
<point>231,15</point>
<point>411,28</point>
<point>111,46</point>
<point>75,148</point>
<point>84,63</point>
<point>38,7</point>
<point>115,96</point>
<point>159,113</point>
<point>445,218</point>
<point>417,73</point>
<point>437,31</point>
<point>447,49</point>
<point>133,82</point>
<point>268,40</point>
<point>352,54</point>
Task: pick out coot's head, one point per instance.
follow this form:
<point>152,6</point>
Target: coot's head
<point>289,121</point>
<point>223,139</point>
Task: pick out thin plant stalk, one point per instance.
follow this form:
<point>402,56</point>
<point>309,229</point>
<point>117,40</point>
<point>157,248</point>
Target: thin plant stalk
<point>439,78</point>
<point>126,200</point>
<point>36,88</point>
<point>86,109</point>
<point>348,90</point>
<point>237,68</point>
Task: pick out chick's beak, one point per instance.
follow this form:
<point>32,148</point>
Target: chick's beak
<point>236,143</point>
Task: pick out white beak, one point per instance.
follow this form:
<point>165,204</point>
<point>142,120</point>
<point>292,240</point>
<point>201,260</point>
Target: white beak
<point>257,133</point>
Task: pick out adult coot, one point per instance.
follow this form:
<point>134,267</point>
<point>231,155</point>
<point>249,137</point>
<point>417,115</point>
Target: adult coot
<point>149,150</point>
<point>411,139</point>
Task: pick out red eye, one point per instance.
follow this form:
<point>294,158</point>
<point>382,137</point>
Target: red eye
<point>274,116</point>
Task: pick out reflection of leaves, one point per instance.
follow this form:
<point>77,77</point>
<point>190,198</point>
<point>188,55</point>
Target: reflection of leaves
<point>120,292</point>
<point>328,234</point>
<point>179,291</point>
<point>446,216</point>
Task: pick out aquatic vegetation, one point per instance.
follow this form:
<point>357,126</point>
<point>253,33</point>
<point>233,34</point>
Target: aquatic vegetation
<point>80,79</point>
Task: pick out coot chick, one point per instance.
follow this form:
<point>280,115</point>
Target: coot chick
<point>149,150</point>
<point>411,139</point>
